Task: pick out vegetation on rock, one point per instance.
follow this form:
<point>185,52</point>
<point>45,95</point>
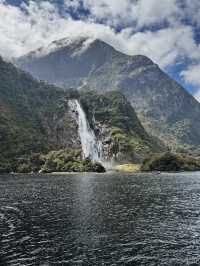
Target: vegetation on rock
<point>69,161</point>
<point>115,122</point>
<point>34,118</point>
<point>169,162</point>
<point>54,161</point>
<point>23,103</point>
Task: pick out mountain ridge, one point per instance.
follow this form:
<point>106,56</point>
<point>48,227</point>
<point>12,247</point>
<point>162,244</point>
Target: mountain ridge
<point>164,107</point>
<point>73,49</point>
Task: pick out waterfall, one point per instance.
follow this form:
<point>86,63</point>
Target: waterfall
<point>91,148</point>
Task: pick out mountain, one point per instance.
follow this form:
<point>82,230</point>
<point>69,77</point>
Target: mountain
<point>36,117</point>
<point>164,107</point>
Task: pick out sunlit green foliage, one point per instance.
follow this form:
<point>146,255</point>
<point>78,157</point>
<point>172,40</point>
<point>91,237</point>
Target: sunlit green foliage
<point>69,161</point>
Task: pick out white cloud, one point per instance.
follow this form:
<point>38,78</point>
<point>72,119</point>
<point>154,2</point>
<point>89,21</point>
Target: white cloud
<point>151,12</point>
<point>192,11</point>
<point>75,4</point>
<point>22,31</point>
<point>39,23</point>
<point>197,96</point>
<point>126,12</point>
<point>139,12</point>
<point>119,12</point>
<point>164,46</point>
<point>192,76</point>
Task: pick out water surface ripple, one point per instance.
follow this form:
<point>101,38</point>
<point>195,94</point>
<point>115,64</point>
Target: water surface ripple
<point>109,219</point>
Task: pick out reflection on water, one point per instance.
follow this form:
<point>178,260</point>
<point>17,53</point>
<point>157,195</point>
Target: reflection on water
<point>109,219</point>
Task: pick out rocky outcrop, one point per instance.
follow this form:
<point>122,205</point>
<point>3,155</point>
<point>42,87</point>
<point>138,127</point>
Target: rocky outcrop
<point>117,127</point>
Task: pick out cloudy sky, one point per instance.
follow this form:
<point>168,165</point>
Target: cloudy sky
<point>167,31</point>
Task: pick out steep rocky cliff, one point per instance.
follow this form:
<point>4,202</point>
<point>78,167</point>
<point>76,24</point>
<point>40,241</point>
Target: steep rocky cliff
<point>116,125</point>
<point>165,109</point>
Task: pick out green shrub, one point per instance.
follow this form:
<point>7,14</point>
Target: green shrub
<point>170,163</point>
<point>24,168</point>
<point>69,161</point>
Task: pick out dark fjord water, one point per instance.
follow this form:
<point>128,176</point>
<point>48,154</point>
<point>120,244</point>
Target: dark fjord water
<point>110,219</point>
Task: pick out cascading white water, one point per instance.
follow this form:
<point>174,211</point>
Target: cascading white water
<point>90,146</point>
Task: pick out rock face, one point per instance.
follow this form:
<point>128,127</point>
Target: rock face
<point>117,127</point>
<point>165,109</point>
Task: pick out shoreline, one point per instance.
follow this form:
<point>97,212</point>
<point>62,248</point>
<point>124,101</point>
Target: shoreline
<point>107,172</point>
